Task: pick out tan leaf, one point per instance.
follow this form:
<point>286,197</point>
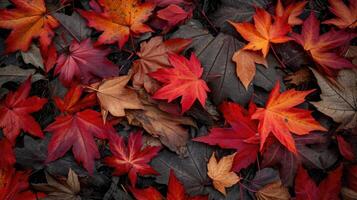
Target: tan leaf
<point>221,172</point>
<point>114,97</point>
<point>245,65</point>
<point>153,56</point>
<point>339,102</point>
<point>299,77</point>
<point>60,190</point>
<point>273,191</point>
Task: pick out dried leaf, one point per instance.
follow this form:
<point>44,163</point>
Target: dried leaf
<point>273,191</point>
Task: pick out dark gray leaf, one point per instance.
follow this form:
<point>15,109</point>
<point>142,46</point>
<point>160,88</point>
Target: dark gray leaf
<point>17,74</point>
<point>74,24</point>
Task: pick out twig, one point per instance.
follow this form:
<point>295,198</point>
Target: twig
<point>277,58</point>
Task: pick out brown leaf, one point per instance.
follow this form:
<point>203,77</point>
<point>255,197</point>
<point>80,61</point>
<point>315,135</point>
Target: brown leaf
<point>221,172</point>
<point>299,77</point>
<point>60,190</point>
<point>167,127</point>
<point>245,65</point>
<point>153,56</point>
<point>114,97</point>
<point>273,191</point>
<point>348,194</point>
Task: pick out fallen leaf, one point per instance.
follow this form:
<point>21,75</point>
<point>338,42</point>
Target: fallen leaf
<point>352,54</point>
<point>221,174</point>
<point>240,136</point>
<point>345,148</point>
<point>346,16</point>
<point>75,24</point>
<point>291,12</point>
<point>15,112</point>
<point>33,57</point>
<point>348,194</point>
<point>149,193</point>
<point>14,185</point>
<point>280,117</point>
<point>115,97</point>
<point>29,19</point>
<point>119,20</point>
<point>273,191</point>
<point>329,188</point>
<point>299,77</point>
<point>165,126</point>
<point>76,129</point>
<point>153,55</point>
<point>321,47</point>
<point>351,177</point>
<point>339,102</point>
<point>245,65</point>
<point>17,74</point>
<point>84,63</point>
<point>263,32</point>
<point>59,190</point>
<point>173,15</point>
<point>183,80</point>
<point>131,159</point>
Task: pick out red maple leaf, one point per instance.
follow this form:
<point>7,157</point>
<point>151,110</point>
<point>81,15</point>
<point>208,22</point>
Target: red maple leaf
<point>329,188</point>
<point>184,80</point>
<point>131,159</point>
<point>280,117</point>
<point>242,135</point>
<point>172,15</point>
<point>14,185</point>
<point>84,63</point>
<point>15,112</point>
<point>76,129</point>
<point>175,191</point>
<point>8,157</point>
<point>322,47</point>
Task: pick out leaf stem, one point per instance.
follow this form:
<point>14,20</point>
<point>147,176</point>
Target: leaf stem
<point>247,188</point>
<point>277,58</point>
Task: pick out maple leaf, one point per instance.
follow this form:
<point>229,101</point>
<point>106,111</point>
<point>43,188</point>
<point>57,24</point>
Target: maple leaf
<point>130,159</point>
<point>59,189</point>
<point>320,47</point>
<point>291,12</point>
<point>28,20</point>
<point>220,172</point>
<point>263,32</point>
<point>14,185</point>
<point>346,16</point>
<point>8,157</point>
<point>242,135</point>
<point>114,97</point>
<point>153,55</point>
<point>15,112</point>
<point>184,80</point>
<point>245,65</point>
<point>345,148</point>
<point>329,188</point>
<point>280,117</point>
<point>84,63</point>
<point>119,20</point>
<point>76,129</point>
<point>175,191</point>
<point>339,102</point>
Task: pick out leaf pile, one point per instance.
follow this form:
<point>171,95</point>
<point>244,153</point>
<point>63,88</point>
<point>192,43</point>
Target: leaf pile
<point>178,99</point>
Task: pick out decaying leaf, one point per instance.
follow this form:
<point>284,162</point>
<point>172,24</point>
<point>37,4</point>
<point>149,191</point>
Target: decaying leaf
<point>115,97</point>
<point>273,191</point>
<point>299,77</point>
<point>221,174</point>
<point>17,74</point>
<point>59,189</point>
<point>33,56</point>
<point>339,102</point>
<point>161,124</point>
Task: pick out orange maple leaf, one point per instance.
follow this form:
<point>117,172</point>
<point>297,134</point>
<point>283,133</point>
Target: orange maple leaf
<point>321,47</point>
<point>119,19</point>
<point>184,79</point>
<point>346,16</point>
<point>263,32</point>
<point>28,20</point>
<point>280,117</point>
